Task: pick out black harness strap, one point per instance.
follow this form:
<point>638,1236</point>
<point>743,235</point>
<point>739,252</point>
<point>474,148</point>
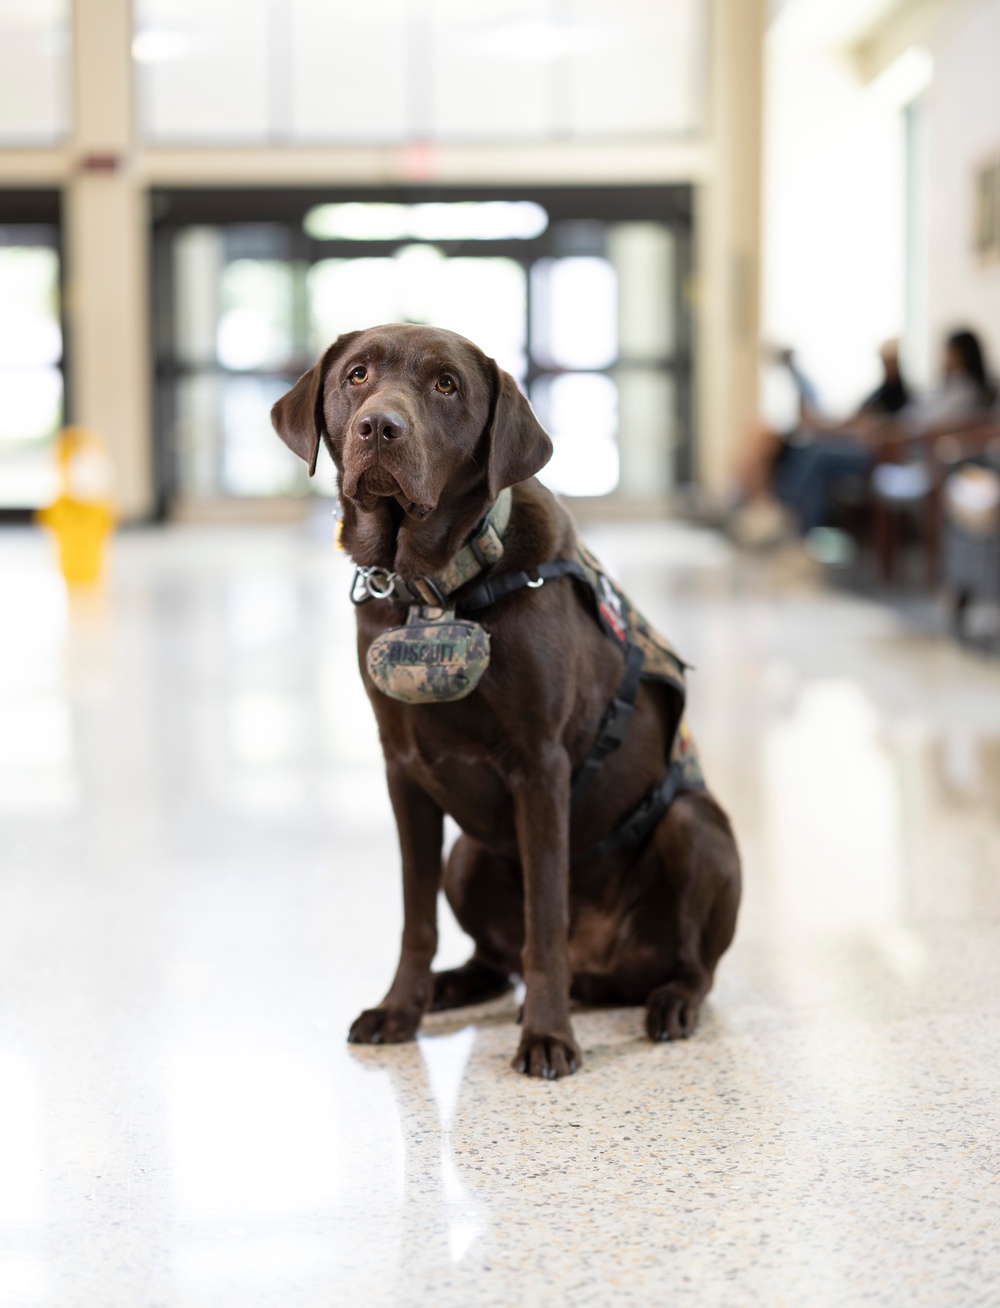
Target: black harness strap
<point>488,592</point>
<point>614,725</point>
<point>637,825</point>
<point>633,829</point>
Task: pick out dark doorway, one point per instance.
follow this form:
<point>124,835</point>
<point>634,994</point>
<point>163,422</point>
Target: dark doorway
<point>582,295</point>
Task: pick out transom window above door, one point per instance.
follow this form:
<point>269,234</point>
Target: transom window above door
<point>252,71</point>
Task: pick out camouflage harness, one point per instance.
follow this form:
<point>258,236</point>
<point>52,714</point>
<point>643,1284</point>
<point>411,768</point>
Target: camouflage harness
<point>439,656</point>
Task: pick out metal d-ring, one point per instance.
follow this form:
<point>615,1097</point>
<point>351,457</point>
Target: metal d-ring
<point>533,585</point>
<point>373,583</point>
<point>380,582</point>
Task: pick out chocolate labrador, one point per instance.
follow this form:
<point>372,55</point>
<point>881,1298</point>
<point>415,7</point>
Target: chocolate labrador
<point>502,722</point>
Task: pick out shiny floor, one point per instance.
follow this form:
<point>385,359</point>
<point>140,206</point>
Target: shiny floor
<point>200,891</point>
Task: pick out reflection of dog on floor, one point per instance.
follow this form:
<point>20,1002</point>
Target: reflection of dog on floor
<point>517,690</point>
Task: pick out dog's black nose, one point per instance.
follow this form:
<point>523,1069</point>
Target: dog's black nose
<point>387,425</point>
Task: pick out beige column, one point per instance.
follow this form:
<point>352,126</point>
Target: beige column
<point>106,254</point>
<point>728,229</point>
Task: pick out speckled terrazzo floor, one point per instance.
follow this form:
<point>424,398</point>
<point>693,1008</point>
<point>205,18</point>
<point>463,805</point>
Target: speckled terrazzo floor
<point>199,892</point>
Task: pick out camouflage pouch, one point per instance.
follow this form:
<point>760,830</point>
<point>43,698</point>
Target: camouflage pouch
<point>434,658</point>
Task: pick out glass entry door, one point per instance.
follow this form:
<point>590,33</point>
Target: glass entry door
<point>587,312</point>
<point>31,362</point>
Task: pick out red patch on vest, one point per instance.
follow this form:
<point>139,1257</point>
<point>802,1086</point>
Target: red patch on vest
<point>614,620</point>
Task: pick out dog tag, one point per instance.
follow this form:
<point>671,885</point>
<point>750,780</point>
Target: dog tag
<point>429,660</point>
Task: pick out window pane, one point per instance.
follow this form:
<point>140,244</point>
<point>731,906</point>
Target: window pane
<point>30,334</point>
<point>35,91</point>
<point>643,70</point>
<point>483,299</point>
<point>196,435</point>
<point>225,442</point>
<point>31,385</point>
<point>574,313</point>
<point>203,69</point>
<point>490,70</point>
<point>643,257</point>
<point>397,70</point>
<point>254,460</point>
<point>330,82</point>
<point>486,301</point>
<point>199,259</point>
<point>30,404</point>
<point>647,400</point>
<point>256,325</point>
<point>580,413</point>
<point>346,294</point>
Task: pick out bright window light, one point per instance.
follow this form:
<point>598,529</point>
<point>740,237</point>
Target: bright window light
<point>253,462</point>
<point>539,40</point>
<point>155,46</point>
<point>255,329</point>
<point>574,312</point>
<point>580,413</point>
<point>481,298</point>
<point>30,403</point>
<point>30,335</point>
<point>465,220</point>
<point>35,71</point>
<point>31,385</point>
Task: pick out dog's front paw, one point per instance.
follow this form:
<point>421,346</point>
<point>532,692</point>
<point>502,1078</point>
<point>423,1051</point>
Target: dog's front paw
<point>670,1014</point>
<point>384,1026</point>
<point>549,1057</point>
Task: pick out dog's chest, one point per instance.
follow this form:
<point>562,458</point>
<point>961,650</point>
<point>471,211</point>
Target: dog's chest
<point>458,764</point>
<point>457,771</point>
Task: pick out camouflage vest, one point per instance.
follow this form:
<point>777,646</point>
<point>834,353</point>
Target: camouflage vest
<point>623,622</point>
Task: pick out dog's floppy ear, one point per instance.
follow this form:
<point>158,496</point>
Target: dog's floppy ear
<point>518,445</point>
<point>298,415</point>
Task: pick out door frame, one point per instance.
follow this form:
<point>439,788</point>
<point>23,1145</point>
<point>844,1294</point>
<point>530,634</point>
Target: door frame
<point>172,209</point>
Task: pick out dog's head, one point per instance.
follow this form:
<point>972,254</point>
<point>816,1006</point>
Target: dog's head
<point>422,426</point>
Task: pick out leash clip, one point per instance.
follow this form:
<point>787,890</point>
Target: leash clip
<point>373,583</point>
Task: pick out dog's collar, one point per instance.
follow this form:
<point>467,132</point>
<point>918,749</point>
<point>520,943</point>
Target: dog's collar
<point>474,558</point>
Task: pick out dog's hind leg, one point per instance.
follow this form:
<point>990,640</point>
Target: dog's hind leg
<point>486,895</point>
<point>698,894</point>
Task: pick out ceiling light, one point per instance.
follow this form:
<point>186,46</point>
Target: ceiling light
<point>463,220</point>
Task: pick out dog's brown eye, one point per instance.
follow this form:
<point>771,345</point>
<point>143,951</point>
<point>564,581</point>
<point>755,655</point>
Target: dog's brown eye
<point>358,375</point>
<point>446,385</point>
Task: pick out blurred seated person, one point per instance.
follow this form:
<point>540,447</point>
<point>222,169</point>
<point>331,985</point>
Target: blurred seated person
<point>964,393</point>
<point>970,395</point>
<point>774,465</point>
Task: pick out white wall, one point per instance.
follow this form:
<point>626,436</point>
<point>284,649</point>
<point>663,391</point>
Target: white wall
<point>834,214</point>
<point>964,129</point>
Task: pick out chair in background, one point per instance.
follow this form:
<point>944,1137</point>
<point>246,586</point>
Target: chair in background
<point>969,511</point>
<point>906,483</point>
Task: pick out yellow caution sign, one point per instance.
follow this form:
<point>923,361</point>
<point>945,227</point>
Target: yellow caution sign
<point>82,516</point>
